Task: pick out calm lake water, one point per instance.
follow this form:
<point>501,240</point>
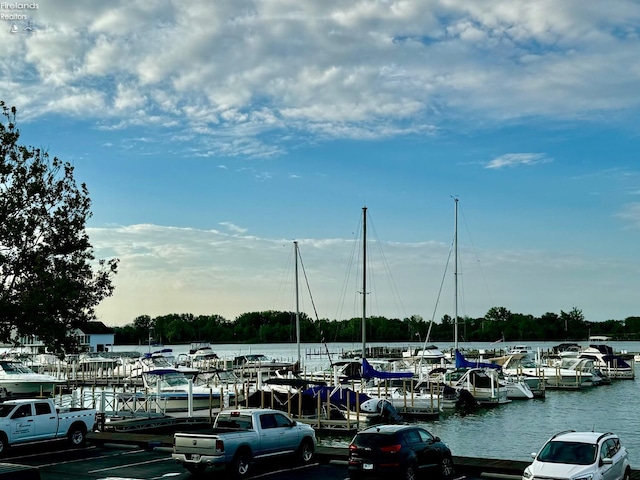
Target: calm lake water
<point>510,431</point>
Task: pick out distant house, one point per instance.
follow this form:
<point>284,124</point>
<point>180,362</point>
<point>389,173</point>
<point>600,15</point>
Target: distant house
<point>93,337</point>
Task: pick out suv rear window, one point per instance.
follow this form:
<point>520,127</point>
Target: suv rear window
<point>374,440</point>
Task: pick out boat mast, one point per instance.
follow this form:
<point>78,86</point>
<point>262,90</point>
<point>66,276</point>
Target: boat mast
<point>295,253</point>
<point>455,274</point>
<point>364,281</point>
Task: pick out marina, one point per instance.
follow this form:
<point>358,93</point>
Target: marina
<point>517,427</point>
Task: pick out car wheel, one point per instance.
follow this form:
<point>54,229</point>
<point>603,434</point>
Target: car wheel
<point>627,474</point>
<point>195,469</point>
<point>446,468</point>
<point>409,473</point>
<point>305,452</point>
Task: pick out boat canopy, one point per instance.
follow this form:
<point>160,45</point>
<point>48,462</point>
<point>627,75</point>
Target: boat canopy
<point>462,362</point>
<point>368,372</point>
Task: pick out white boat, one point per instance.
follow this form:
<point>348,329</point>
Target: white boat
<point>173,389</point>
<point>612,365</point>
<point>552,376</point>
<point>160,359</point>
<point>524,349</point>
<point>18,380</point>
<point>482,383</point>
<point>257,364</point>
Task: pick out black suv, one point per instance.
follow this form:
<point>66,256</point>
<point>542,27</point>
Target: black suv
<point>398,451</point>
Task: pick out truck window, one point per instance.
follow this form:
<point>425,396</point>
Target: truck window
<point>22,411</point>
<point>282,421</point>
<point>268,421</point>
<point>43,408</point>
<point>239,422</point>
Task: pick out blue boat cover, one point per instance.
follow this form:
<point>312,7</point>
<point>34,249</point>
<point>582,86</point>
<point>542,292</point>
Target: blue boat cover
<point>462,362</point>
<point>368,372</point>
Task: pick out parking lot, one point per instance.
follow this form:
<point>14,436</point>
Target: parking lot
<point>56,461</point>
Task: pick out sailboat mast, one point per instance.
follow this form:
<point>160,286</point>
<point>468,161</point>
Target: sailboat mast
<point>364,281</point>
<point>455,274</point>
<point>295,252</point>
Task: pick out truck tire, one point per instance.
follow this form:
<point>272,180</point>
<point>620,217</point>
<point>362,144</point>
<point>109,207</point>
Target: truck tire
<point>305,451</point>
<point>4,444</point>
<point>241,464</point>
<point>77,435</point>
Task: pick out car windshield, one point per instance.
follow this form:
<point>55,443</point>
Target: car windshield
<point>574,453</point>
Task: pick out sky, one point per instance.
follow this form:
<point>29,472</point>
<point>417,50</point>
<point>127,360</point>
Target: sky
<point>212,135</point>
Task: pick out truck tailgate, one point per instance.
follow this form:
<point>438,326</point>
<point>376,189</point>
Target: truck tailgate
<point>194,443</point>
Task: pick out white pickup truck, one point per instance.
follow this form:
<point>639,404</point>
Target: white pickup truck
<point>33,420</point>
<point>241,437</point>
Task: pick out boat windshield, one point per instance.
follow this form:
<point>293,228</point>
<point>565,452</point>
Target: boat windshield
<point>14,368</point>
<point>573,453</point>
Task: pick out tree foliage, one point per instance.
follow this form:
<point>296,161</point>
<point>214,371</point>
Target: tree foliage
<point>280,327</point>
<point>50,281</point>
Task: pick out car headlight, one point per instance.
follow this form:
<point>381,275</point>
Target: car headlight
<point>584,477</point>
<point>527,473</point>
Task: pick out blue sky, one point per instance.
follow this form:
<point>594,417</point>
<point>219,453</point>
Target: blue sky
<point>212,135</point>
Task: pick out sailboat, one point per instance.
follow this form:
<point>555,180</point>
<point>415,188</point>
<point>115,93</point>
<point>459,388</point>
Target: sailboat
<point>482,383</point>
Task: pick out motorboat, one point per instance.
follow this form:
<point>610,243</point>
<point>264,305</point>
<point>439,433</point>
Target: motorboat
<point>522,349</point>
<point>18,380</point>
<point>612,365</point>
<point>160,359</point>
<point>482,383</point>
<point>552,376</point>
<point>257,364</point>
<point>173,390</point>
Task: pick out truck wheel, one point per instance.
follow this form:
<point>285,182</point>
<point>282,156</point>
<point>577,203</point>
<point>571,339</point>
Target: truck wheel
<point>76,435</point>
<point>241,464</point>
<point>305,452</point>
<point>4,444</point>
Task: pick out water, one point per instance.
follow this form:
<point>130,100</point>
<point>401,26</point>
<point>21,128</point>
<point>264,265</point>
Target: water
<point>510,431</point>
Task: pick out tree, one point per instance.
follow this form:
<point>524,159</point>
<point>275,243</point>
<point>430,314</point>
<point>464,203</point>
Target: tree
<point>50,281</point>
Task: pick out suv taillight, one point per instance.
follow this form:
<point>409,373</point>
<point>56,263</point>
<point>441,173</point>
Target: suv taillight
<point>352,448</point>
<point>391,448</point>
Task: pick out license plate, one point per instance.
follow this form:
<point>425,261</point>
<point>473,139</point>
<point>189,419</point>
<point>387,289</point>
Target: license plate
<point>367,466</point>
<point>195,458</point>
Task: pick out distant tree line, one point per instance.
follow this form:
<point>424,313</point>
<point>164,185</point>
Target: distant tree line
<point>280,327</point>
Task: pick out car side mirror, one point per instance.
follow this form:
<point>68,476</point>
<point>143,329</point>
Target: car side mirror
<point>607,461</point>
<point>533,455</point>
<point>436,439</point>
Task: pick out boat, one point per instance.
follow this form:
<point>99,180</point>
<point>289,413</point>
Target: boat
<point>19,381</point>
<point>173,391</point>
<point>160,359</point>
<point>253,365</point>
<point>524,349</point>
<point>551,376</point>
<point>612,365</point>
<point>482,383</point>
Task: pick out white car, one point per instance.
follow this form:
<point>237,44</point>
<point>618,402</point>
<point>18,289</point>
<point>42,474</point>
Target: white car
<point>580,456</point>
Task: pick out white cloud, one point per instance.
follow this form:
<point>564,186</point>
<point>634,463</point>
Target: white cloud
<point>354,69</point>
<point>233,228</point>
<point>517,159</point>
